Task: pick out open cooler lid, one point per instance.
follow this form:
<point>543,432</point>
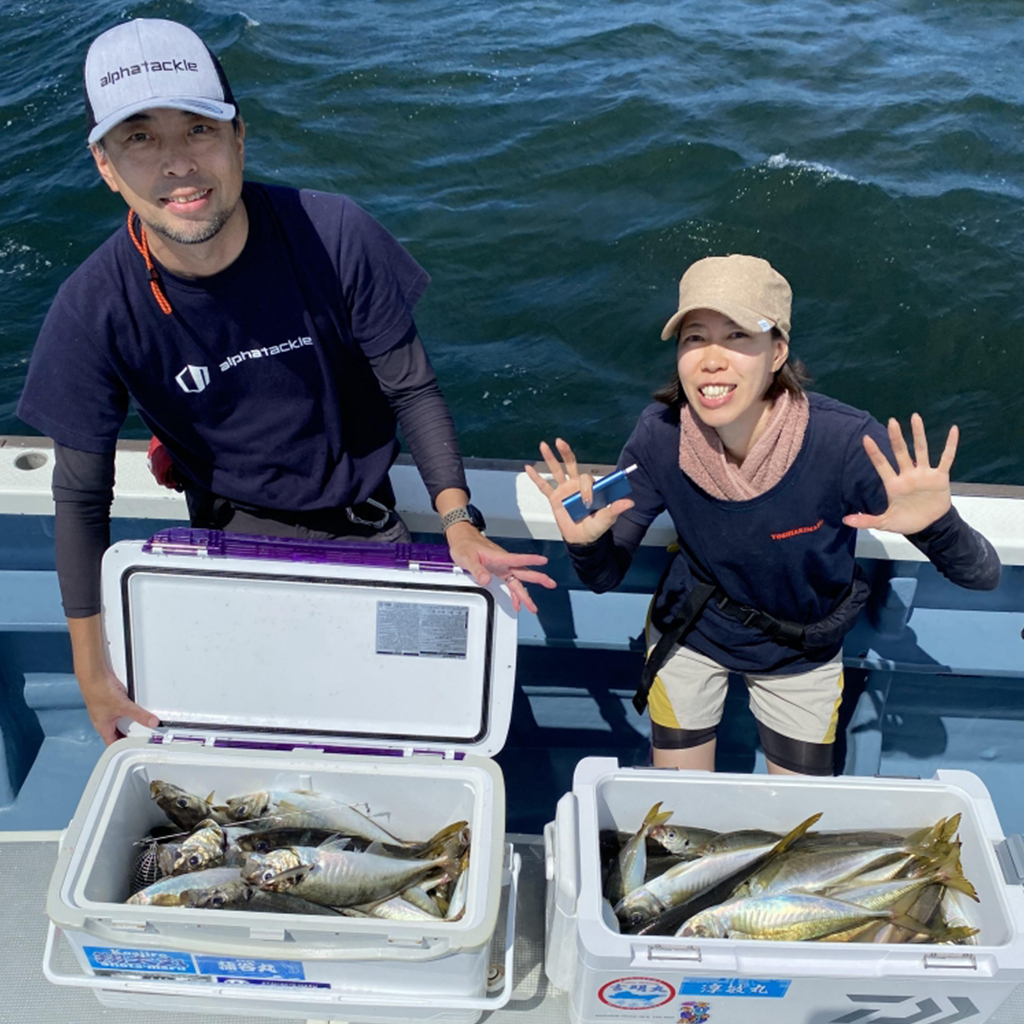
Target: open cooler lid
<point>265,641</point>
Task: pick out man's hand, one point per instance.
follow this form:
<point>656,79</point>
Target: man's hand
<point>482,558</point>
<point>160,465</point>
<point>106,699</point>
<point>918,494</point>
<point>568,480</point>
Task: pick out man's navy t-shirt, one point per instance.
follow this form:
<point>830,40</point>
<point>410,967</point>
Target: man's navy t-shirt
<point>259,381</point>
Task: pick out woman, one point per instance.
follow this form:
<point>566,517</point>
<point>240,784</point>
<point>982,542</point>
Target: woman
<point>766,486</point>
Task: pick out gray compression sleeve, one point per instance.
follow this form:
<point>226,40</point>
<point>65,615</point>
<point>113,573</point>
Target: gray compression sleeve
<point>83,489</point>
<point>410,386</point>
<point>959,552</point>
<point>602,565</point>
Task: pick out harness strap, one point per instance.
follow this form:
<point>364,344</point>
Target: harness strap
<point>786,632</point>
<point>692,608</point>
<point>791,634</point>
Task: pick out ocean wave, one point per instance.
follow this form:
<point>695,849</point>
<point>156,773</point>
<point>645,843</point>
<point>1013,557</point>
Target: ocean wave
<point>779,161</point>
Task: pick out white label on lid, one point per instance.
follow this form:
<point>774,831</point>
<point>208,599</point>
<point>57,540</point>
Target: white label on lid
<point>422,630</point>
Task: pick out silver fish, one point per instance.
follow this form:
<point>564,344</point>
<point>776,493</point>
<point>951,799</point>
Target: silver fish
<point>682,840</point>
<point>683,881</point>
<point>420,895</point>
<point>267,809</point>
<point>185,809</point>
<point>168,891</point>
<point>397,908</point>
<point>633,856</point>
<point>814,870</point>
<point>239,895</point>
<point>665,902</point>
<point>785,917</point>
<point>741,839</point>
<point>337,877</point>
<point>954,915</point>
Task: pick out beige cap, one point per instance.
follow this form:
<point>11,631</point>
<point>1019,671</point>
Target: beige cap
<point>746,289</point>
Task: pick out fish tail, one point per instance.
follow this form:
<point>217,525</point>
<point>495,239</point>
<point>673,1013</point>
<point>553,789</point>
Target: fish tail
<point>913,925</point>
<point>448,842</point>
<point>655,817</point>
<point>927,835</point>
<point>951,825</point>
<point>950,873</point>
<point>938,835</point>
<point>952,936</point>
<point>786,841</point>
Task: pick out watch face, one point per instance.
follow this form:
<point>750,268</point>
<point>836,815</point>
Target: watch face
<point>476,517</point>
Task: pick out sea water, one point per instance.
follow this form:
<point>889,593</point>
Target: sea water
<point>555,165</point>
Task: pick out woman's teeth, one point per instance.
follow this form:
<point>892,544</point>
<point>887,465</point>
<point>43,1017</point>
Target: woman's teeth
<point>716,390</point>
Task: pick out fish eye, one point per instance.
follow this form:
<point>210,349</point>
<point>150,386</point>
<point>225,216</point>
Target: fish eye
<point>182,803</point>
<point>194,859</point>
<point>268,876</point>
<point>217,901</point>
<point>262,846</point>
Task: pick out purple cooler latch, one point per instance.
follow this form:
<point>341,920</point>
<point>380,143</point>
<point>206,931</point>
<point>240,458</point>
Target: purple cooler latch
<point>254,744</point>
<point>183,540</point>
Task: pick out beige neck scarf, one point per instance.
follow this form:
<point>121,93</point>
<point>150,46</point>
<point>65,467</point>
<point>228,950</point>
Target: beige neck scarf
<point>702,455</point>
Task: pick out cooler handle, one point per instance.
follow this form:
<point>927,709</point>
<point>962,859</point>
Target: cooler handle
<point>263,993</point>
<point>561,856</point>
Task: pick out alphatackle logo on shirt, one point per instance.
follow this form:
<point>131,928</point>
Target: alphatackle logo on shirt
<point>193,379</point>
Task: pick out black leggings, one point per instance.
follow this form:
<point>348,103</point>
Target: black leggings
<point>794,755</point>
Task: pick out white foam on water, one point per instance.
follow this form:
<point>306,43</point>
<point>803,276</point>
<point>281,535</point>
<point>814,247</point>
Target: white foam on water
<point>780,161</point>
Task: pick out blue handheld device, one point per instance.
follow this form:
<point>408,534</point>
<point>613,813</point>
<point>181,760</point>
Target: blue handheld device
<point>606,490</point>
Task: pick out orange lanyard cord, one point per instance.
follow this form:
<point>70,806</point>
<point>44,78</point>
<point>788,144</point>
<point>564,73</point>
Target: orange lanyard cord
<point>154,278</point>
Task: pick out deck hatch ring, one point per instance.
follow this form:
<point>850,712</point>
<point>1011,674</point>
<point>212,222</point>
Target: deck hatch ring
<point>30,460</point>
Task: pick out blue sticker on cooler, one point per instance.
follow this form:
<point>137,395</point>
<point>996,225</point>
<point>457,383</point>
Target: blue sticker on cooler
<point>152,961</point>
<point>272,981</point>
<point>232,966</point>
<point>762,988</point>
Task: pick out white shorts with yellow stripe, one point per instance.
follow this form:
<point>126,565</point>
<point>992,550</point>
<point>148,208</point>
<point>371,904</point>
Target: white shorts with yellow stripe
<point>793,712</point>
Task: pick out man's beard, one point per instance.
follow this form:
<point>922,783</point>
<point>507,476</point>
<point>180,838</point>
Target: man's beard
<point>192,234</point>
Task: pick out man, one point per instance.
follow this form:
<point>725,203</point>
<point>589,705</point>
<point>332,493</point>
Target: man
<point>264,334</point>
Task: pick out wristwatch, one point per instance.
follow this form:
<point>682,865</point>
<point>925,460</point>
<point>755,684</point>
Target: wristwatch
<point>467,514</point>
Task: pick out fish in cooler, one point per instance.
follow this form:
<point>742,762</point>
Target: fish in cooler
<point>854,885</point>
<point>300,868</point>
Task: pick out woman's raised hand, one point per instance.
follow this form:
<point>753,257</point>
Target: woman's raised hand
<point>918,493</point>
<point>568,480</point>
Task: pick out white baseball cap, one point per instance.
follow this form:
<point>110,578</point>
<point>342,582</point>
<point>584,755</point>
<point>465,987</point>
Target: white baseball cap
<point>150,62</point>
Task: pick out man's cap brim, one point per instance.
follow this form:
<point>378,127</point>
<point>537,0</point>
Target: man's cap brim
<point>194,105</point>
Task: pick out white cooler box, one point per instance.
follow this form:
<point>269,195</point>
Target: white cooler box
<point>378,674</point>
<point>616,977</point>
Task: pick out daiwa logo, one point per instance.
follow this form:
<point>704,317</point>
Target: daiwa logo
<point>193,379</point>
<point>921,1011</point>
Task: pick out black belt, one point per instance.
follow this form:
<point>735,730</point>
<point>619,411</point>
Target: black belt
<point>817,635</point>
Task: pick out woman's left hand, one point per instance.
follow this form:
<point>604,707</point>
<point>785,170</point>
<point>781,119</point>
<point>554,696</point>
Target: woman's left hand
<point>918,493</point>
